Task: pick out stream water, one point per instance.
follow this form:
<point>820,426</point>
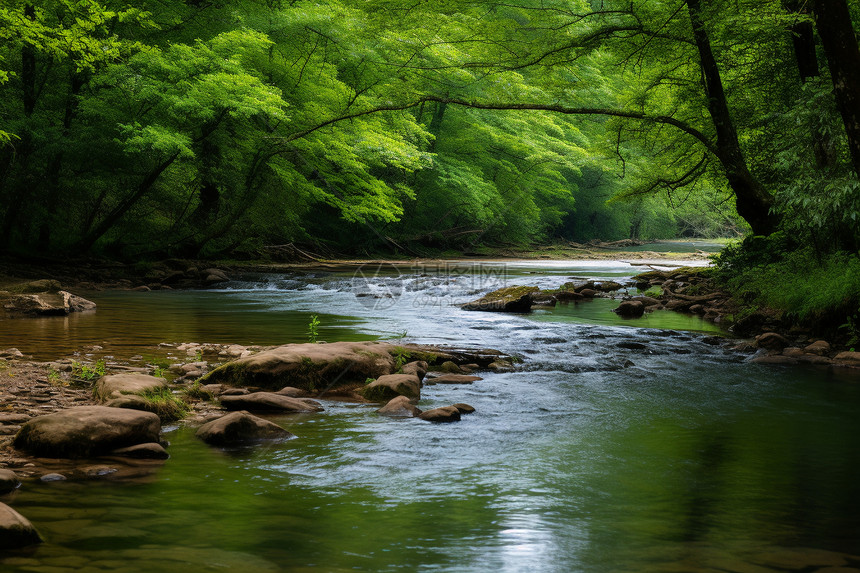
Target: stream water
<point>616,446</point>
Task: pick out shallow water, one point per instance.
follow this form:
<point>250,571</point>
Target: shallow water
<point>617,446</point>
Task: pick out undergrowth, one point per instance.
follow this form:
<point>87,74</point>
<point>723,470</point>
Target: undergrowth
<point>820,291</point>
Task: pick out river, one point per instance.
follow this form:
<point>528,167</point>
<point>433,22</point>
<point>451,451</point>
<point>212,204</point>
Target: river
<point>617,445</point>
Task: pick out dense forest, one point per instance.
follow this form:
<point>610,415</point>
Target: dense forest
<point>201,128</point>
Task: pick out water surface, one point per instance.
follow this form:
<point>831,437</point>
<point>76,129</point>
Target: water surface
<point>617,446</point>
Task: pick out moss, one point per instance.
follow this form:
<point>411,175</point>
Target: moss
<point>513,293</point>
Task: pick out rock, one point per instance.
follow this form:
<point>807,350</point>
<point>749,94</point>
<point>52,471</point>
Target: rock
<point>772,341</point>
<point>151,451</point>
<point>679,305</point>
<point>141,288</point>
<point>87,431</point>
<point>440,415</point>
<point>630,309</point>
<point>11,353</point>
<point>308,366</point>
<point>697,309</point>
<point>453,379</point>
<point>15,530</point>
<point>47,478</point>
<point>418,368</point>
<point>449,367</point>
<point>233,391</point>
<point>399,407</point>
<point>819,347</point>
<point>646,300</point>
<point>269,402</point>
<point>792,351</point>
<point>608,286</point>
<point>118,385</point>
<point>8,481</point>
<point>214,276</point>
<point>75,303</point>
<point>501,366</point>
<point>775,360</point>
<point>510,299</point>
<point>291,392</point>
<point>240,427</point>
<point>391,386</point>
<point>849,357</point>
<point>588,293</point>
<point>130,401</point>
<point>568,296</point>
<point>464,408</point>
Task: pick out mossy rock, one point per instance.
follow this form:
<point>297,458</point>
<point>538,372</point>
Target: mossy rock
<point>508,299</point>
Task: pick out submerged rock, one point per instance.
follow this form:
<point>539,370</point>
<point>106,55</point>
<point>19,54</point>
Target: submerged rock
<point>87,431</point>
<point>239,428</point>
<point>453,379</point>
<point>15,530</point>
<point>391,386</point>
<point>150,451</point>
<point>269,402</point>
<point>630,309</point>
<point>399,407</point>
<point>8,481</point>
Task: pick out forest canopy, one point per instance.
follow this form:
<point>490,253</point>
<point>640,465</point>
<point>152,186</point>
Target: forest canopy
<point>213,127</point>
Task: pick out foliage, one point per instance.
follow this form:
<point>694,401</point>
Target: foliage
<point>166,404</point>
<point>88,372</point>
<point>153,129</point>
<point>810,289</point>
<point>313,328</point>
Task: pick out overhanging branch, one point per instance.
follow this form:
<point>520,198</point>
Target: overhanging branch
<point>508,106</point>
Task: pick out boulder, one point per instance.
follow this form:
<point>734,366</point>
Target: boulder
<point>453,379</point>
<point>291,392</point>
<point>119,385</point>
<point>399,407</point>
<point>646,300</point>
<point>630,309</point>
<point>239,428</point>
<point>15,530</point>
<point>87,431</point>
<point>588,293</point>
<point>269,402</point>
<point>501,366</point>
<point>608,286</point>
<point>441,415</point>
<point>776,359</point>
<point>391,386</point>
<point>11,353</point>
<point>771,341</point>
<point>150,451</point>
<point>568,296</point>
<point>214,276</point>
<point>509,299</point>
<point>849,357</point>
<point>450,367</point>
<point>418,368</point>
<point>8,481</point>
<point>308,366</point>
<point>464,408</point>
<point>819,347</point>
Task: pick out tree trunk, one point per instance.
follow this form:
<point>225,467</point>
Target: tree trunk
<point>752,200</point>
<point>833,22</point>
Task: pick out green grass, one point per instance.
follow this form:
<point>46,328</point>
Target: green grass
<point>166,404</point>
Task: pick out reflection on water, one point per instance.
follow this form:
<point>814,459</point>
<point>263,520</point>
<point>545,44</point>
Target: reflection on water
<point>614,448</point>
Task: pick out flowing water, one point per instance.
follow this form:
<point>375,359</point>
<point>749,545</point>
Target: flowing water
<point>616,446</point>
